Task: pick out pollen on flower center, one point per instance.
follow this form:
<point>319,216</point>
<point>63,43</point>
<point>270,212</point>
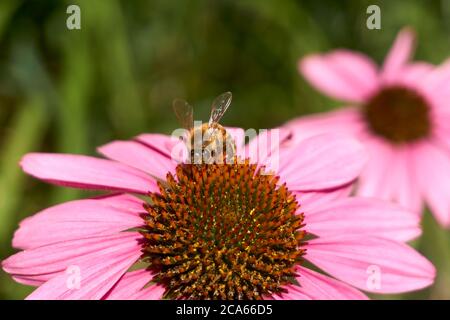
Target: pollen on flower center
<point>223,231</point>
<point>398,114</point>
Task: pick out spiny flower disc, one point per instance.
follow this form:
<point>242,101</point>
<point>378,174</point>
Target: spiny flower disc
<point>398,114</point>
<point>223,231</point>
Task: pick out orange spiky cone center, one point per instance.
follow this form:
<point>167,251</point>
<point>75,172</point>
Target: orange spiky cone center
<point>223,231</point>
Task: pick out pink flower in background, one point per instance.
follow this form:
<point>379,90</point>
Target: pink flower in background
<point>400,112</point>
<point>215,231</point>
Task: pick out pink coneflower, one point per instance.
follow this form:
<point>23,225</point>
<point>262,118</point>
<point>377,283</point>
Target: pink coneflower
<point>215,231</point>
<point>401,113</point>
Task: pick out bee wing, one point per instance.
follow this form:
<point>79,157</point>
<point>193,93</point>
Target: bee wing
<point>184,113</point>
<point>219,106</point>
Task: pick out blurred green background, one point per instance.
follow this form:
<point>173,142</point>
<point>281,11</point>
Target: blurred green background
<point>71,90</point>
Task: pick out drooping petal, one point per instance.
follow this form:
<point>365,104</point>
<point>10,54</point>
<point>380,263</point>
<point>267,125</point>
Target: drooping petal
<point>364,217</point>
<point>347,120</point>
<point>371,264</point>
<point>389,175</point>
<point>123,202</point>
<point>321,287</point>
<point>95,279</point>
<point>371,181</point>
<point>292,294</point>
<point>139,156</point>
<point>311,200</point>
<point>322,162</point>
<point>153,292</point>
<point>399,54</point>
<point>267,143</point>
<point>341,74</point>
<point>442,132</point>
<point>414,73</point>
<point>130,284</point>
<point>32,281</point>
<point>437,80</point>
<point>78,220</point>
<point>433,170</point>
<point>46,262</point>
<point>86,172</point>
<point>159,142</point>
<point>402,181</point>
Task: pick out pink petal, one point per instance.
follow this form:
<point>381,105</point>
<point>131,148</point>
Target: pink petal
<point>371,180</point>
<point>267,143</point>
<point>365,217</point>
<point>321,287</point>
<point>433,171</point>
<point>402,181</point>
<point>33,281</point>
<point>440,113</point>
<point>347,120</point>
<point>389,175</point>
<point>437,80</point>
<point>159,142</point>
<point>78,220</point>
<point>96,279</point>
<point>356,259</point>
<point>399,54</point>
<point>153,292</point>
<point>442,132</point>
<point>292,294</point>
<point>123,202</point>
<point>139,156</point>
<point>341,74</point>
<point>130,284</point>
<point>414,73</point>
<point>46,262</point>
<point>322,162</point>
<point>86,172</point>
<point>311,200</point>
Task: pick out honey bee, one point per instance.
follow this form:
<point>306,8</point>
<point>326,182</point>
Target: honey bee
<point>209,142</point>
